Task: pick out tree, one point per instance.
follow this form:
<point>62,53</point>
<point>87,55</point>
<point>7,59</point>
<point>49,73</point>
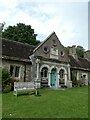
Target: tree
<point>22,33</point>
<point>6,85</point>
<point>1,28</point>
<point>80,51</point>
<point>5,76</point>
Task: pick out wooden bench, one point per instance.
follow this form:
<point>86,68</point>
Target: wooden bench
<point>24,86</point>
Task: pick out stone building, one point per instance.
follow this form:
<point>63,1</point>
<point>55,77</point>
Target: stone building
<point>47,64</point>
<point>15,57</point>
<point>79,67</point>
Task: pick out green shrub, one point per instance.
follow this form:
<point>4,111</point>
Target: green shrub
<point>6,87</point>
<point>11,81</point>
<point>80,83</point>
<point>5,76</point>
<point>0,79</point>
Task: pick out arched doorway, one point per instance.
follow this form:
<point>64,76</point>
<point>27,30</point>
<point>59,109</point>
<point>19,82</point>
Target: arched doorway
<point>61,77</point>
<point>53,78</point>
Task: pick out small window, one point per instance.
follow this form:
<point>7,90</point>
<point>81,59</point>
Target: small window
<point>54,51</point>
<point>45,49</point>
<point>14,70</point>
<point>11,70</point>
<point>84,76</point>
<point>54,43</point>
<point>17,71</point>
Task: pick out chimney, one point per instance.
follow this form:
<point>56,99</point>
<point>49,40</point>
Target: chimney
<point>87,55</point>
<point>72,51</point>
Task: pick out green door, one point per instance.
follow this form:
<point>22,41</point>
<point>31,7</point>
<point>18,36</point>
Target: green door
<point>53,78</point>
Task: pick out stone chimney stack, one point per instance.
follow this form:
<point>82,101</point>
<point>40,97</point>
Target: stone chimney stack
<point>87,55</point>
<point>72,51</point>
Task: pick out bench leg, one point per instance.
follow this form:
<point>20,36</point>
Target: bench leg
<point>15,93</point>
<point>36,93</point>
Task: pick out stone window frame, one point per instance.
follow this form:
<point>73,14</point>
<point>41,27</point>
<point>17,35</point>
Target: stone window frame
<point>45,49</point>
<point>44,73</point>
<point>15,71</point>
<point>54,51</point>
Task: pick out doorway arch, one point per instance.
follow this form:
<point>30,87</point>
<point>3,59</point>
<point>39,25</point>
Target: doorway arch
<point>53,78</point>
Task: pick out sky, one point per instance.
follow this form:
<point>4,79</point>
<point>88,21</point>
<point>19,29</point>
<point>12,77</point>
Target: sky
<point>69,20</point>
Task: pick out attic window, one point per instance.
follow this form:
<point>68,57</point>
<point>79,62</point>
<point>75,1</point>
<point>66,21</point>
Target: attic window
<point>45,49</point>
<point>54,51</point>
<point>54,43</point>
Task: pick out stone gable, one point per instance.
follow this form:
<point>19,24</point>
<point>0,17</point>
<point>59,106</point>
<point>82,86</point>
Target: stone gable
<point>51,48</point>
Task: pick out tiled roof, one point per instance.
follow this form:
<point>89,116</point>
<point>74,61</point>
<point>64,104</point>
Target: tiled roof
<point>87,51</point>
<point>16,49</point>
<point>79,63</point>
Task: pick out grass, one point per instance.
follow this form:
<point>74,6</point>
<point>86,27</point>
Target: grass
<point>0,106</point>
<point>71,103</point>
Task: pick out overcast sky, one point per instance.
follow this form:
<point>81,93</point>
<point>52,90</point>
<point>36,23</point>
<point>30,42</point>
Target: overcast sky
<point>69,20</point>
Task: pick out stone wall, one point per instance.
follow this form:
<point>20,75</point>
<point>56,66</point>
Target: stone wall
<point>22,75</point>
<point>48,44</point>
<point>82,75</point>
<point>28,73</point>
<point>88,76</point>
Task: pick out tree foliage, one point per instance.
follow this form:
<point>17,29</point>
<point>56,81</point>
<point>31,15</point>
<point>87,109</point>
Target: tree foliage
<point>22,33</point>
<point>80,51</point>
<point>1,28</point>
<point>5,76</point>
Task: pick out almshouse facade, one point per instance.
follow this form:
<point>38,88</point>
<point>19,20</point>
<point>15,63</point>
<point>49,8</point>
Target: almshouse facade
<point>47,64</point>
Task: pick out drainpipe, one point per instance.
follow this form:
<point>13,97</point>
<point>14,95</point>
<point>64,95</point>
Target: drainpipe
<point>32,59</point>
<point>24,72</point>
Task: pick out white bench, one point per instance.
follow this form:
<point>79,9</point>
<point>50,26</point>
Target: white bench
<point>24,86</point>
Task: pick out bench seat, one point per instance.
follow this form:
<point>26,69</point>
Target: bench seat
<point>24,86</point>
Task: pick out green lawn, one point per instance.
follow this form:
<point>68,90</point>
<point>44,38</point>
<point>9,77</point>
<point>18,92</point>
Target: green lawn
<point>0,106</point>
<point>70,103</point>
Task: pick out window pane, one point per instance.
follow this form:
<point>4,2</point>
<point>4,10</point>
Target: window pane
<point>17,71</point>
<point>11,70</point>
<point>61,74</point>
<point>44,72</point>
<point>41,73</point>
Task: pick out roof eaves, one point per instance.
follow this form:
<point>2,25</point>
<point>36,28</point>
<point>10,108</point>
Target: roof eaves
<point>80,68</point>
<point>43,41</point>
<point>15,59</point>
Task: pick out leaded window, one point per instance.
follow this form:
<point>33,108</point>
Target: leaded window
<point>14,71</point>
<point>44,72</point>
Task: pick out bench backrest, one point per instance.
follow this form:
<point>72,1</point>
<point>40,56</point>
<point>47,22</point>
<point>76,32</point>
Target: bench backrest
<point>22,85</point>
